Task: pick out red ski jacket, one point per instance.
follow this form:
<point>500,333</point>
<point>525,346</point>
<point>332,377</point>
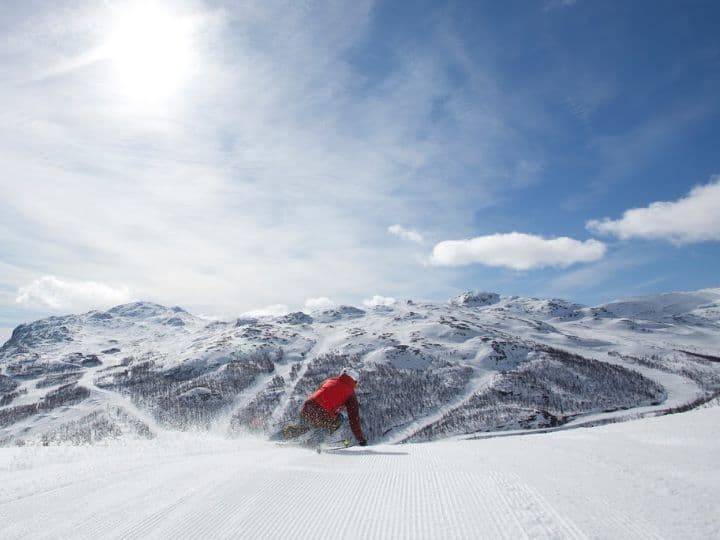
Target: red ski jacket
<point>336,393</point>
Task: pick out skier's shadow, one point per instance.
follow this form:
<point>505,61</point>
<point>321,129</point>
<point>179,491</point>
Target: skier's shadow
<point>349,452</point>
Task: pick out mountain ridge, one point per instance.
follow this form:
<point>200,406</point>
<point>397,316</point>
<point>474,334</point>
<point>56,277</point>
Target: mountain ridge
<point>477,363</point>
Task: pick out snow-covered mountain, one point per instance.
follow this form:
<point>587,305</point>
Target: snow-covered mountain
<point>477,364</point>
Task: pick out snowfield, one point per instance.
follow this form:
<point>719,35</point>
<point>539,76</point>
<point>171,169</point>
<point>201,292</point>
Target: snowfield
<point>651,478</point>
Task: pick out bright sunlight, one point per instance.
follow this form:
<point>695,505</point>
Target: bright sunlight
<point>151,50</point>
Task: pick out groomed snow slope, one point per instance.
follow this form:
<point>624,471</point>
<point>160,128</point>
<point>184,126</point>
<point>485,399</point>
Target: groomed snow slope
<point>653,478</point>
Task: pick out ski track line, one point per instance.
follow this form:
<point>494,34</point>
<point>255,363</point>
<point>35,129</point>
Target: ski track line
<point>463,506</point>
<point>148,526</point>
<point>438,507</point>
<point>505,506</point>
<point>374,492</point>
<point>501,505</point>
<point>538,512</point>
<point>602,510</point>
<point>111,525</point>
<point>625,526</point>
<point>229,500</point>
<point>403,509</point>
<point>543,514</point>
<point>521,508</point>
<point>620,523</point>
<point>66,491</point>
<point>396,502</point>
<point>126,501</point>
<point>49,514</point>
<point>459,486</point>
<point>213,519</point>
<point>386,488</point>
<point>269,502</point>
<point>298,496</point>
<point>210,512</point>
<point>337,502</point>
<point>316,505</point>
<point>88,479</point>
<point>438,510</point>
<point>80,496</point>
<point>442,509</point>
<point>419,505</point>
<point>293,500</point>
<point>185,487</point>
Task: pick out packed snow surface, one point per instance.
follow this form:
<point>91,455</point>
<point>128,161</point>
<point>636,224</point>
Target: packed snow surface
<point>651,478</point>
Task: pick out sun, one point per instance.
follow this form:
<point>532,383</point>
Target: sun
<point>151,50</point>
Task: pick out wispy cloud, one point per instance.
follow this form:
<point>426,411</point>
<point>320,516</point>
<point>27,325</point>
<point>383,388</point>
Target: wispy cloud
<point>378,300</point>
<point>263,166</point>
<point>272,170</point>
<point>320,303</point>
<point>693,218</point>
<point>56,294</point>
<point>598,280</point>
<point>406,234</point>
<point>275,310</point>
<point>628,153</point>
<point>518,251</point>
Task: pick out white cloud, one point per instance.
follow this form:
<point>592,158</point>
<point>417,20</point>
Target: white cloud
<point>275,310</point>
<point>316,304</point>
<point>268,190</point>
<point>406,234</point>
<point>213,318</point>
<point>518,251</point>
<point>53,293</point>
<point>378,300</point>
<point>694,218</point>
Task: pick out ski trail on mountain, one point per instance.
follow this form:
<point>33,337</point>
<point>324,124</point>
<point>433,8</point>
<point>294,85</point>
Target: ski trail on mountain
<point>222,425</point>
<point>480,380</point>
<point>317,349</point>
<point>100,396</point>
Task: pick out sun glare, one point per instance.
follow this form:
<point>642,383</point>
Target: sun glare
<point>151,50</point>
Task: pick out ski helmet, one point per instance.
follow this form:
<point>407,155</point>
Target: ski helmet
<point>350,372</point>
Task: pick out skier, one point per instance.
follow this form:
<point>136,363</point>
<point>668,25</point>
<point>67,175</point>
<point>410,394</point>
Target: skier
<point>322,408</point>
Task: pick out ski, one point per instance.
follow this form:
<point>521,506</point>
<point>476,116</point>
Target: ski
<point>334,445</point>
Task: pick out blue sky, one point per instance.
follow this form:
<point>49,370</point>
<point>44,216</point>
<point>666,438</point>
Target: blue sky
<point>231,157</point>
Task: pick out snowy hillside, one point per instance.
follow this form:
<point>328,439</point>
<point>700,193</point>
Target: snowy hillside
<point>477,364</point>
<point>591,483</point>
